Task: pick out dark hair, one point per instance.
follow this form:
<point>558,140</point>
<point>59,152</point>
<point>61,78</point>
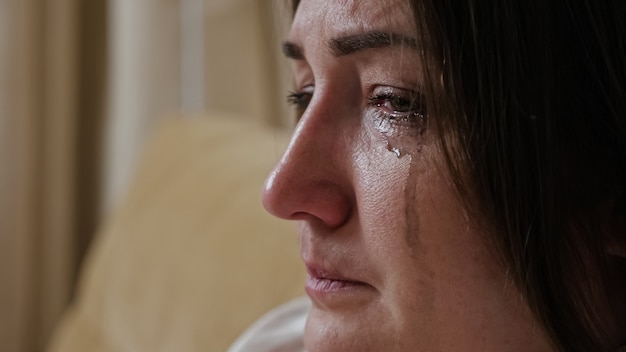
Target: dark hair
<point>533,94</point>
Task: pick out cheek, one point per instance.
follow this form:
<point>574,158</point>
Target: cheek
<point>394,210</point>
<point>388,215</point>
<point>393,193</point>
<point>409,213</point>
<point>380,185</point>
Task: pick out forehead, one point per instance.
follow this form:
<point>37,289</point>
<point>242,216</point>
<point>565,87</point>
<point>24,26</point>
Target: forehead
<point>325,19</point>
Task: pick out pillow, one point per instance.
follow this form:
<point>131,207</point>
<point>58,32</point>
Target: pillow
<point>190,258</point>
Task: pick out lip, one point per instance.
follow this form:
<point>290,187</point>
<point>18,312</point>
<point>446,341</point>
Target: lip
<point>332,287</point>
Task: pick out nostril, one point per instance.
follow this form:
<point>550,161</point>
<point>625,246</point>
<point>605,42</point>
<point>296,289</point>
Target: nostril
<point>291,194</point>
<point>306,199</point>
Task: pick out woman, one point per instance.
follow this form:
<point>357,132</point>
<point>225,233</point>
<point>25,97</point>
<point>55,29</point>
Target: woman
<point>458,174</point>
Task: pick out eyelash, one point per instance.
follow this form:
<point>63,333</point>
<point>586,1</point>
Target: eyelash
<point>301,100</point>
<point>415,103</point>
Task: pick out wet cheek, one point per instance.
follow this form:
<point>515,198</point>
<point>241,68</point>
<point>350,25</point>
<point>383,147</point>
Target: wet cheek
<point>382,200</point>
<point>401,136</point>
<point>388,190</point>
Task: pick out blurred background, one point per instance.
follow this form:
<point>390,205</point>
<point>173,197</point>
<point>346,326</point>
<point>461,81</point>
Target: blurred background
<point>82,83</point>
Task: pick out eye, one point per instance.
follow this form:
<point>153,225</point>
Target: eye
<point>397,111</point>
<point>398,102</point>
<point>300,99</point>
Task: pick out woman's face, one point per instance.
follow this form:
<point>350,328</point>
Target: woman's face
<point>393,262</point>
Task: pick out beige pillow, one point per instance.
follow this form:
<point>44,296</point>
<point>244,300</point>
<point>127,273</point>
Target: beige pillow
<point>190,258</point>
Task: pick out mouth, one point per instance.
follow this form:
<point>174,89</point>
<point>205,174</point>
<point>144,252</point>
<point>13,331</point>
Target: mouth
<point>328,287</point>
<point>322,280</point>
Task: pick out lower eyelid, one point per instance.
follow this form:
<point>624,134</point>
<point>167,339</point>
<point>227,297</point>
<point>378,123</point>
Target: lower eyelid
<point>388,124</point>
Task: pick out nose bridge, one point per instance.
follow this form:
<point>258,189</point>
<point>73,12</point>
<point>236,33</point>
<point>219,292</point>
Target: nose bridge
<point>317,145</point>
<point>314,138</point>
<point>310,179</point>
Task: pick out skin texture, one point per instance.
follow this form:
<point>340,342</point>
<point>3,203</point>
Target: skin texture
<point>425,277</point>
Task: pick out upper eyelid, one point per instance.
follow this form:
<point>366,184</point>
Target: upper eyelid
<point>302,89</point>
<point>394,88</point>
<point>392,91</point>
<point>388,92</point>
<point>302,75</point>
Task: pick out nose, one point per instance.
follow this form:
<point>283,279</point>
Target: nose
<point>311,182</point>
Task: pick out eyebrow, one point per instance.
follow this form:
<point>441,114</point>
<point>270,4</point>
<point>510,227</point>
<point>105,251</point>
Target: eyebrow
<point>351,44</point>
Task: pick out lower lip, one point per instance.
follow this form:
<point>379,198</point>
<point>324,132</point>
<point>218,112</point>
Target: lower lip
<point>320,288</point>
<point>328,285</point>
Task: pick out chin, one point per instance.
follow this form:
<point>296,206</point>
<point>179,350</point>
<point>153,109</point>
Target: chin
<point>331,332</point>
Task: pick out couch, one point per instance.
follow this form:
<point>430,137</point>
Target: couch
<point>189,258</point>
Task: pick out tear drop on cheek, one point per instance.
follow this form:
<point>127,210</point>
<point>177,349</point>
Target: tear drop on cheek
<point>403,145</point>
<point>402,135</point>
<point>397,151</point>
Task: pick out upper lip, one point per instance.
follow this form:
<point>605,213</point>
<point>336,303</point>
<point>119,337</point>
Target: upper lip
<point>324,273</point>
<point>324,264</point>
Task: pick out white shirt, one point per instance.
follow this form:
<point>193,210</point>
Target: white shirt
<point>280,330</point>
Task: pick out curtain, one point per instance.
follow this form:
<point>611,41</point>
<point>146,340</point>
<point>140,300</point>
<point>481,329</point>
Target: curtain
<point>144,84</point>
<point>38,135</point>
<point>82,83</point>
<point>246,72</point>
